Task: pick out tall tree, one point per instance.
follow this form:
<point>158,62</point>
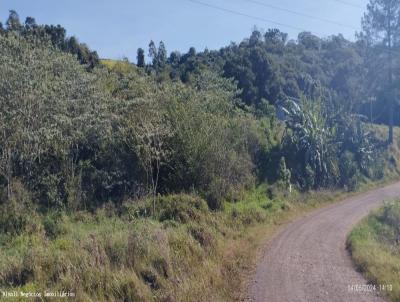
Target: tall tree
<point>153,52</point>
<point>162,54</point>
<point>192,52</point>
<point>13,22</point>
<point>381,27</point>
<point>255,37</point>
<point>146,132</point>
<point>140,57</point>
<point>30,23</point>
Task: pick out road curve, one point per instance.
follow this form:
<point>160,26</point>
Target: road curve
<point>307,261</point>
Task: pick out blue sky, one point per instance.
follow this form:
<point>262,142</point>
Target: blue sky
<point>117,28</point>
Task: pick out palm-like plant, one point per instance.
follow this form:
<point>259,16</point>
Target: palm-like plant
<point>317,135</point>
<point>310,140</point>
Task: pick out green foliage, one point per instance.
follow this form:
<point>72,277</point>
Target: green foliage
<point>140,58</point>
<point>284,173</point>
<point>56,35</point>
<point>326,148</point>
<point>50,109</point>
<point>118,132</point>
<point>380,33</point>
<point>180,208</point>
<point>18,214</point>
<point>158,55</point>
<point>310,142</point>
<point>391,217</point>
<point>53,224</point>
<point>348,170</point>
<point>210,151</point>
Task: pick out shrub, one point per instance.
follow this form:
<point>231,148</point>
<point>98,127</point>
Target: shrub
<point>284,173</point>
<point>348,170</point>
<point>18,214</point>
<point>53,224</point>
<point>203,236</point>
<point>249,215</point>
<point>182,208</point>
<point>215,194</point>
<point>391,217</point>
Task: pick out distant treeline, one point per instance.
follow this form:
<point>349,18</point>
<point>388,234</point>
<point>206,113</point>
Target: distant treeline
<point>269,67</point>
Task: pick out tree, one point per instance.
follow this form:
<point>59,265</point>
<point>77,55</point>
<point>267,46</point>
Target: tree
<point>255,37</point>
<point>13,23</point>
<point>192,52</point>
<point>146,132</point>
<point>161,55</point>
<point>309,41</point>
<point>140,58</point>
<point>381,27</point>
<point>275,36</point>
<point>58,35</point>
<point>158,56</point>
<point>153,53</point>
<point>30,23</point>
<point>174,58</point>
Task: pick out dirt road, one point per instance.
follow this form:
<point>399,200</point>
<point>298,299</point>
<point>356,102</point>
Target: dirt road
<point>308,261</point>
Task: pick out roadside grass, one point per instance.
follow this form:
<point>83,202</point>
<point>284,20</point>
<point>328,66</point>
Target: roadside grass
<point>183,253</point>
<point>375,248</point>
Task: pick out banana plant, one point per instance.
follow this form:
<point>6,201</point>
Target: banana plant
<point>316,135</point>
<point>310,140</point>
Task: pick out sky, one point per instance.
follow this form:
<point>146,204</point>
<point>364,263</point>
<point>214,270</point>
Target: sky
<point>115,29</point>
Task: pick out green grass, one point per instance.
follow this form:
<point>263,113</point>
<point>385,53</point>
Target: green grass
<point>184,253</point>
<point>375,248</point>
<point>129,256</point>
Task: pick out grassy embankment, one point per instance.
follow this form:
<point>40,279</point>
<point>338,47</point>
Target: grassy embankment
<point>375,248</point>
<point>184,253</point>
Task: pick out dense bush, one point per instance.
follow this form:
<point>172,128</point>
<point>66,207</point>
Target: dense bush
<point>325,148</point>
<point>391,217</point>
<point>180,208</point>
<point>348,170</point>
<point>18,214</point>
<point>91,140</point>
<point>54,126</point>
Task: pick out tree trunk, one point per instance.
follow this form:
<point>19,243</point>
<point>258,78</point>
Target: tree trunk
<point>391,94</point>
<point>9,174</point>
<point>390,138</point>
